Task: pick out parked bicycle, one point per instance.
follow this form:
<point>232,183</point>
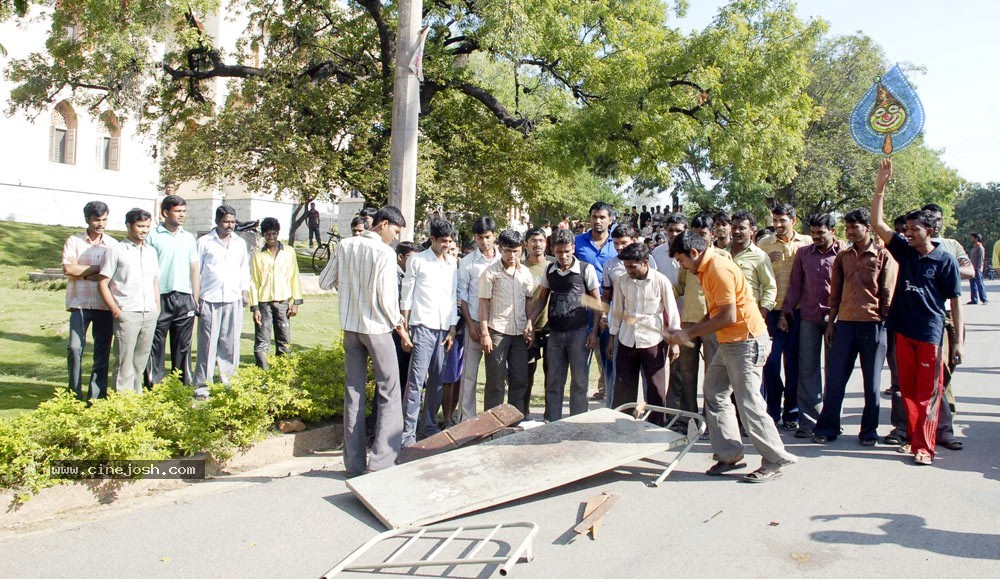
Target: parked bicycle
<point>324,252</point>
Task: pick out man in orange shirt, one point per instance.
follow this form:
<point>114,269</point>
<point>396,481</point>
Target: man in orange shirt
<point>737,366</point>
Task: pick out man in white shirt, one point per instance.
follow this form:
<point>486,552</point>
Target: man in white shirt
<point>504,327</point>
<point>225,291</point>
<point>82,256</point>
<point>430,308</point>
<point>129,288</point>
<point>647,296</point>
<point>362,269</point>
<point>470,269</point>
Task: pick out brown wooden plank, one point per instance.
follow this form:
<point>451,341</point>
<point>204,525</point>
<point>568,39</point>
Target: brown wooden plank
<point>509,468</point>
<point>486,424</point>
<point>594,513</point>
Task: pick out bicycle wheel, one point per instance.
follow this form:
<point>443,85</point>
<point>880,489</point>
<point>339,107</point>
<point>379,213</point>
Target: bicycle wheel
<point>320,257</point>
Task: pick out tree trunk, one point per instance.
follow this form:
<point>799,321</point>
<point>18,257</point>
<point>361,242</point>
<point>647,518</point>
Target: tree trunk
<point>299,216</point>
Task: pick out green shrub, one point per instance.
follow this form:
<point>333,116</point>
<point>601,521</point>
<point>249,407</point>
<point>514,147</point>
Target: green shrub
<point>166,422</point>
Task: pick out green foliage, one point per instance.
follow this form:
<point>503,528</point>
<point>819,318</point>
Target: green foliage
<point>165,422</point>
<point>977,210</point>
<point>540,102</point>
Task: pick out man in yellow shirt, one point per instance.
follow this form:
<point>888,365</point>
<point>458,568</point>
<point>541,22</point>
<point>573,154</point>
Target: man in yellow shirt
<point>781,248</point>
<point>275,293</point>
<point>736,369</point>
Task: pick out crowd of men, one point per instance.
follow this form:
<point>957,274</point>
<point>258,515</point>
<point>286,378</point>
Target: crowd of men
<point>778,319</point>
<point>154,284</point>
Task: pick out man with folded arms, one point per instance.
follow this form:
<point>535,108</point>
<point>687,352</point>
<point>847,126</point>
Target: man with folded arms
<point>82,256</point>
<point>738,364</point>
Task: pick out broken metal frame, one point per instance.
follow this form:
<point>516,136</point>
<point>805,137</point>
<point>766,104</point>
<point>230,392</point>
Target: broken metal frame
<point>416,533</point>
<point>695,428</point>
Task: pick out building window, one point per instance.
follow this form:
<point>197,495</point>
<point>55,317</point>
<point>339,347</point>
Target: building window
<point>62,134</point>
<point>109,142</point>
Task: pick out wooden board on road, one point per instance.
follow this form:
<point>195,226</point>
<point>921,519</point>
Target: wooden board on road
<point>469,479</point>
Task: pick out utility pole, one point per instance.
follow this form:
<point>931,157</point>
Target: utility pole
<point>405,114</point>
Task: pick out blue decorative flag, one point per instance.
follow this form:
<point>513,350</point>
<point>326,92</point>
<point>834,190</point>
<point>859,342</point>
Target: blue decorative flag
<point>890,116</point>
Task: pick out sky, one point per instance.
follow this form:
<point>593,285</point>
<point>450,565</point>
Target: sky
<point>957,41</point>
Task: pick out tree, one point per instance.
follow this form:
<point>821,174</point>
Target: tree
<point>977,210</point>
<point>519,95</point>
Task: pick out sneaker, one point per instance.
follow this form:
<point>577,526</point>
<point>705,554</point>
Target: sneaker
<point>201,393</point>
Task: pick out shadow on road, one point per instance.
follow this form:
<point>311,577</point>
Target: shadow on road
<point>911,531</point>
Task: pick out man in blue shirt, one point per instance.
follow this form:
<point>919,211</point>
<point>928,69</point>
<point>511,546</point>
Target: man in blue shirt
<point>177,254</point>
<point>595,247</point>
<point>928,276</point>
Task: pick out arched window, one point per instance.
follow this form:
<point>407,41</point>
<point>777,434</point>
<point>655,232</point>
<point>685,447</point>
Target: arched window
<point>62,134</point>
<point>109,134</point>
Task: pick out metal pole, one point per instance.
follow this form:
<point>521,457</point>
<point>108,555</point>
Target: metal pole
<point>405,113</point>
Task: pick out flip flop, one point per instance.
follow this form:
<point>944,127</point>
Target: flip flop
<point>922,458</point>
<point>720,468</point>
<point>951,444</point>
<point>762,475</point>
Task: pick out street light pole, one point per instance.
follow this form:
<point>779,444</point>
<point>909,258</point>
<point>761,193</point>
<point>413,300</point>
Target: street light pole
<point>405,114</point>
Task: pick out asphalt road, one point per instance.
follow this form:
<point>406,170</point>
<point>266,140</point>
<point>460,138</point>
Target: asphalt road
<point>843,510</point>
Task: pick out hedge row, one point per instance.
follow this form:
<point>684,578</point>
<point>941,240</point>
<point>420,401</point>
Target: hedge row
<point>166,423</point>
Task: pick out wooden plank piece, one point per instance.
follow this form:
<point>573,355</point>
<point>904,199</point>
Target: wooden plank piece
<point>472,478</point>
<point>594,513</point>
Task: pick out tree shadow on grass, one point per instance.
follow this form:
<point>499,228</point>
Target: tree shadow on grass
<point>911,531</point>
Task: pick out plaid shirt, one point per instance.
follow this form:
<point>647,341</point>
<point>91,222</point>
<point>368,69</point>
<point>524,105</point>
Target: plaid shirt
<point>508,293</point>
<point>363,270</point>
<point>80,250</point>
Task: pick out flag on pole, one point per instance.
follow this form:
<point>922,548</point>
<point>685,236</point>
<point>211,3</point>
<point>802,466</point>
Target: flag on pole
<point>417,60</point>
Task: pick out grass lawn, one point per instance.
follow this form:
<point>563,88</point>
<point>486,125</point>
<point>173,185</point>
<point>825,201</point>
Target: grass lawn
<point>34,325</point>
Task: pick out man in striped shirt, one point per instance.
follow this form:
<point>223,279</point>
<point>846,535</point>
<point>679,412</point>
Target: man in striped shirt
<point>363,270</point>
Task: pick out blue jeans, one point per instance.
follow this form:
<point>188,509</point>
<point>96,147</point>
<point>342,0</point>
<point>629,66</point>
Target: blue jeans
<point>102,331</point>
<point>783,344</point>
<point>978,289</point>
<point>850,340</point>
<point>566,351</point>
<point>426,364</point>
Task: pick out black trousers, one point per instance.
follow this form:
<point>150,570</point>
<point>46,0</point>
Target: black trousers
<point>651,362</point>
<point>273,315</point>
<point>177,313</point>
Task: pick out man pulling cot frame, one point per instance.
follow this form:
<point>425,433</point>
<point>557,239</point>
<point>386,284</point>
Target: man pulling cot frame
<point>738,364</point>
<point>928,275</point>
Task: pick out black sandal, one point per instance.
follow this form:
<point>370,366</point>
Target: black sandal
<point>721,467</point>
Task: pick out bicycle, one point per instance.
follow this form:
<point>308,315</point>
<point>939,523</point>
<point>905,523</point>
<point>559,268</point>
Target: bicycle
<point>324,252</point>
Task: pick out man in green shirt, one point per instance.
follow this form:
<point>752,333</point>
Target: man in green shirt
<point>754,261</point>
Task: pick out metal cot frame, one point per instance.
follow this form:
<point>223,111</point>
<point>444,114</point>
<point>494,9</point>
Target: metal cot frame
<point>416,533</point>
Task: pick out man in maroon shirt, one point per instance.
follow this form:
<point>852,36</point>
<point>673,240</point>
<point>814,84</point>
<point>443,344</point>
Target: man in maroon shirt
<point>809,291</point>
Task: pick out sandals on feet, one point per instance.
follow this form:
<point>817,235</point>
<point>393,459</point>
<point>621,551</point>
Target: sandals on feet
<point>951,444</point>
<point>722,467</point>
<point>923,458</point>
<point>762,475</point>
<point>869,442</point>
<point>894,440</point>
<point>903,449</point>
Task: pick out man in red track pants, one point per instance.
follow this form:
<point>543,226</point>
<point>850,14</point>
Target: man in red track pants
<point>928,276</point>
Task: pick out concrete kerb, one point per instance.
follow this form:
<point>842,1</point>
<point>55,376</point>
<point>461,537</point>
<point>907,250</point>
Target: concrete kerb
<point>60,500</point>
